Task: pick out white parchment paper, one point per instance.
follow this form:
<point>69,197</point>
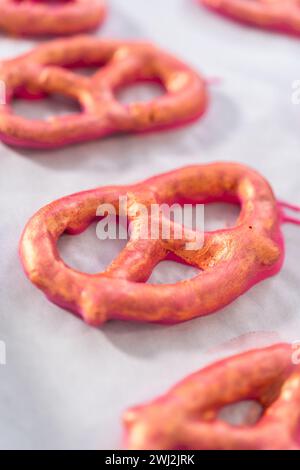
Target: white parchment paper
<point>65,385</point>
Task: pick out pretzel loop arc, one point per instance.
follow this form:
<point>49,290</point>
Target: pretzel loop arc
<point>280,15</point>
<point>40,18</point>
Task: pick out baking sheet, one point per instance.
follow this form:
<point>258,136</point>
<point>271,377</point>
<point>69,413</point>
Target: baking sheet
<point>65,385</point>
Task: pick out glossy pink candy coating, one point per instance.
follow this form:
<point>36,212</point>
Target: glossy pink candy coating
<point>230,261</point>
<point>44,18</point>
<point>46,70</point>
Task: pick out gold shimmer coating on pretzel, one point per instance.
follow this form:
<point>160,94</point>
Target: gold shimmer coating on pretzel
<point>280,15</point>
<point>41,18</point>
<point>47,70</point>
<point>187,417</point>
<point>230,260</point>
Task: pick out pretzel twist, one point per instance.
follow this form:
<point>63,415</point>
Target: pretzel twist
<point>187,417</point>
<point>231,260</point>
<point>281,15</point>
<point>41,71</point>
<point>41,18</point>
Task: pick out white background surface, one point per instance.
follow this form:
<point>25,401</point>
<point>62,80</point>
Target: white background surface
<point>65,384</point>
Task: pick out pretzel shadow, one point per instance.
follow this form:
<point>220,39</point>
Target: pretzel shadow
<point>217,125</point>
<point>143,340</point>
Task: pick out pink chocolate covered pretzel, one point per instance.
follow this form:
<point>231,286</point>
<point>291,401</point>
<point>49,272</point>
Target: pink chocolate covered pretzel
<point>280,15</point>
<point>46,70</point>
<point>187,417</point>
<point>230,260</point>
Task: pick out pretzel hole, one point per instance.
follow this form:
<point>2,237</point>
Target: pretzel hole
<point>53,105</point>
<point>246,412</point>
<point>220,215</point>
<point>141,91</point>
<point>87,70</point>
<point>84,252</point>
<point>171,272</point>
